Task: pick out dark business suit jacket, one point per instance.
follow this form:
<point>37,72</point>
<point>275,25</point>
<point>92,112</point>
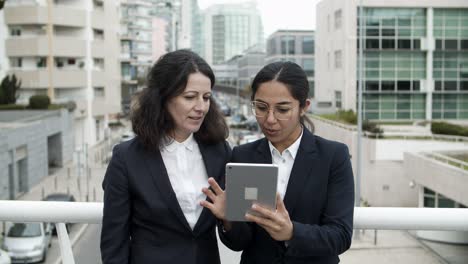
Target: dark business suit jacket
<point>319,199</point>
<point>143,222</point>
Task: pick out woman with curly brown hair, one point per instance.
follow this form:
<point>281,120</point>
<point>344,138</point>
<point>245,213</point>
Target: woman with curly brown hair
<point>152,211</point>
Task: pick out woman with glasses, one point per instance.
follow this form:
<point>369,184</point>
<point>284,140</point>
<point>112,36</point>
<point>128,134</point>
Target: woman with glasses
<point>313,220</point>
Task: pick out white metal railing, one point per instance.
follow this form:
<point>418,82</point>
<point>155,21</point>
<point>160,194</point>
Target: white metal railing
<point>389,218</point>
<point>446,159</point>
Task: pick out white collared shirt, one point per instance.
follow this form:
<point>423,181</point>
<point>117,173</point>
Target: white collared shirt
<point>187,174</point>
<point>285,162</point>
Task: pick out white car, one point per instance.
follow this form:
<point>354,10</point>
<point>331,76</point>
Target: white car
<point>27,242</point>
<point>4,258</point>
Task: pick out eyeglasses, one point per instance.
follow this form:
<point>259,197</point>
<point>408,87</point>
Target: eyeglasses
<point>280,112</point>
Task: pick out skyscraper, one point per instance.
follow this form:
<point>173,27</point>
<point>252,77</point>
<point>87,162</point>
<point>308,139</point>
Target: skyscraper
<point>229,29</point>
<point>415,58</point>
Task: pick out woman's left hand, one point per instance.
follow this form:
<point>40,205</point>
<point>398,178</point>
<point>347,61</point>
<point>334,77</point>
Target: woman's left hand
<point>276,223</point>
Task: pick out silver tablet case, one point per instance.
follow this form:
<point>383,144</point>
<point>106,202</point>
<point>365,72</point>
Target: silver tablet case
<point>247,183</point>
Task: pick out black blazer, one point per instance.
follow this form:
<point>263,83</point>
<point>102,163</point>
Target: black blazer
<point>319,199</point>
<point>142,220</point>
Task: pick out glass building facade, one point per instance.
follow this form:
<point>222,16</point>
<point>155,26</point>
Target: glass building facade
<point>396,63</point>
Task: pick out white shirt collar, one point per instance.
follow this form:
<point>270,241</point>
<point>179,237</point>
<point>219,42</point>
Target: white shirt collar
<point>171,144</point>
<point>292,149</point>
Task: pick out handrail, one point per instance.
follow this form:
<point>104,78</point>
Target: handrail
<point>390,218</point>
<point>447,159</point>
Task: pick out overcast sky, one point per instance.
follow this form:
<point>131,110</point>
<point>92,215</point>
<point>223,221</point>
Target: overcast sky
<point>279,14</point>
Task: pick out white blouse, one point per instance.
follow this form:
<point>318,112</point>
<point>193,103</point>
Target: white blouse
<point>187,174</point>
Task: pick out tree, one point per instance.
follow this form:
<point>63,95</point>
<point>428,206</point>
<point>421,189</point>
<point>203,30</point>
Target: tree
<point>2,3</point>
<point>9,89</point>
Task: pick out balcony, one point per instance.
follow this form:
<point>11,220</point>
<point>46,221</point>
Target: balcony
<point>364,218</point>
<point>61,15</point>
<point>97,18</point>
<point>38,46</point>
<point>39,79</point>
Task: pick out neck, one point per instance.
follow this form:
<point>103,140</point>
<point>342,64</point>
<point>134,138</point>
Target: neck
<point>281,146</point>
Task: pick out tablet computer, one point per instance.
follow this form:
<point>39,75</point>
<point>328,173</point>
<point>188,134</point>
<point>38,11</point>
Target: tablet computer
<point>247,183</point>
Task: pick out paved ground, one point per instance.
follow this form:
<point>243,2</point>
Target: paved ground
<point>391,246</point>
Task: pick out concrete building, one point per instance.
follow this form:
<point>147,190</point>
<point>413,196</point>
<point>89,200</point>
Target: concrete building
<point>160,42</point>
<point>415,58</point>
<point>32,145</point>
<point>229,29</point>
<point>67,49</point>
<point>296,46</point>
<point>136,48</point>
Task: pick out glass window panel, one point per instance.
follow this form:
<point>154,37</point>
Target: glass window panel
<point>438,86</point>
<point>368,115</point>
<point>372,64</point>
<point>437,64</point>
<point>419,32</point>
<point>451,33</point>
<point>437,74</point>
<point>438,33</point>
<point>421,74</point>
<point>372,43</point>
<point>463,114</point>
<point>403,85</point>
<point>437,106</point>
<point>404,22</point>
<point>416,86</point>
<point>419,115</point>
<point>388,115</point>
<point>372,32</point>
<point>418,106</point>
<point>451,64</point>
<point>404,44</point>
<point>388,105</point>
<point>372,86</point>
<point>404,74</point>
<point>388,64</point>
<point>416,44</point>
<point>388,22</point>
<point>438,22</point>
<point>404,32</point>
<point>464,85</point>
<point>464,44</point>
<point>450,115</point>
<point>419,21</point>
<point>450,106</point>
<point>404,64</point>
<point>451,22</point>
<point>388,74</point>
<point>451,44</point>
<point>388,44</point>
<point>403,106</point>
<point>373,74</point>
<point>464,32</point>
<point>388,32</point>
<point>450,74</point>
<point>388,86</point>
<point>403,115</point>
<point>436,115</point>
<point>372,106</point>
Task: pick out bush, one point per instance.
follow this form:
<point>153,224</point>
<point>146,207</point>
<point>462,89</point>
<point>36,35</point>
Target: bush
<point>371,127</point>
<point>9,89</point>
<point>348,116</point>
<point>12,107</point>
<point>39,102</point>
<point>449,129</point>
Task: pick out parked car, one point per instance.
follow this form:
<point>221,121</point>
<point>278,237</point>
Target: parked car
<point>4,257</point>
<point>60,197</point>
<point>27,242</point>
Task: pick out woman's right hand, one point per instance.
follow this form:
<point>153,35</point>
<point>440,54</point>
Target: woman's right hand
<point>217,206</point>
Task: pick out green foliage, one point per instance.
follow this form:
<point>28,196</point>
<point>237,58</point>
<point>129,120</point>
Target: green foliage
<point>348,116</point>
<point>372,127</point>
<point>39,102</point>
<point>449,129</point>
<point>8,90</point>
<point>12,107</point>
<point>2,3</point>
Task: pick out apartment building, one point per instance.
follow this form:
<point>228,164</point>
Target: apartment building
<point>67,49</point>
<point>415,58</point>
<point>296,46</point>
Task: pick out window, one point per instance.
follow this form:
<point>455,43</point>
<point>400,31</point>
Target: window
<point>308,65</point>
<point>464,44</point>
<point>372,43</point>
<point>404,44</point>
<point>99,92</point>
<point>16,62</point>
<point>338,59</point>
<point>451,44</point>
<point>372,86</point>
<point>404,86</point>
<point>338,19</point>
<point>15,31</point>
<point>308,45</point>
<point>41,62</point>
<point>338,100</point>
<point>287,45</point>
<point>388,44</point>
<point>388,86</point>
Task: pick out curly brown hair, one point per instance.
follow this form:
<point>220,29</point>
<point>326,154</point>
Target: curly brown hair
<point>152,122</point>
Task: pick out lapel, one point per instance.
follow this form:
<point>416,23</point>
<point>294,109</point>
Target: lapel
<point>304,162</point>
<point>213,161</point>
<point>161,179</point>
<point>264,152</point>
